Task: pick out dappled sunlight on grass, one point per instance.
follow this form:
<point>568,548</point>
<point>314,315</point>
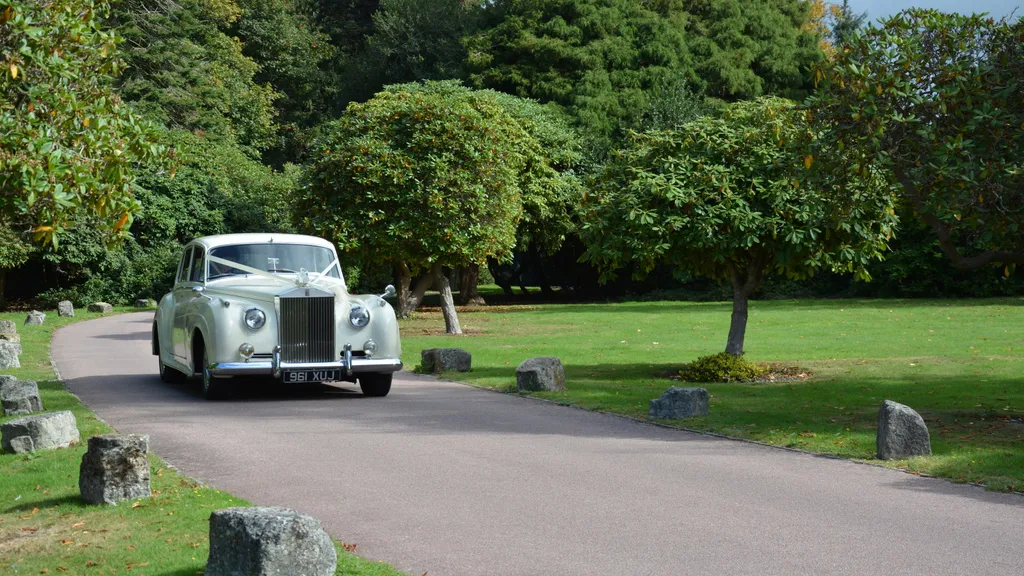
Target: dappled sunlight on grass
<point>957,362</point>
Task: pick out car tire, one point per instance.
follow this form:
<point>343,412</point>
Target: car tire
<point>213,389</point>
<point>170,375</point>
<point>375,385</point>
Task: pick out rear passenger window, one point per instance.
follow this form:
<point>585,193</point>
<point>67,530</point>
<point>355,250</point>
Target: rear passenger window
<point>183,266</point>
<point>198,269</point>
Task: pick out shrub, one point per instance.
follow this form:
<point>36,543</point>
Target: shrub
<point>722,367</point>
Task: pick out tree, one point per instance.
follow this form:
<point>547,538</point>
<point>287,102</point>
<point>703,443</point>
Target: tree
<point>293,57</point>
<point>187,74</point>
<point>604,59</point>
<point>412,40</point>
<point>68,145</point>
<point>936,102</point>
<point>423,178</point>
<point>729,198</point>
<point>844,23</point>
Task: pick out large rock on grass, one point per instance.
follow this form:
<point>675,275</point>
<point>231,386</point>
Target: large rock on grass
<point>35,318</point>
<point>40,432</point>
<point>268,542</point>
<point>9,352</point>
<point>902,432</point>
<point>145,303</point>
<point>19,397</point>
<point>115,468</point>
<point>438,360</point>
<point>101,307</point>
<point>9,331</point>
<point>680,403</point>
<point>66,308</point>
<point>541,374</point>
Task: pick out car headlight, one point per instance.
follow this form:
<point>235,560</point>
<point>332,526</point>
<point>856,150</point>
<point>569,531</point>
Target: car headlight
<point>359,316</point>
<point>255,318</point>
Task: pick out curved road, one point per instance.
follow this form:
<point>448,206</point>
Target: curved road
<point>445,478</point>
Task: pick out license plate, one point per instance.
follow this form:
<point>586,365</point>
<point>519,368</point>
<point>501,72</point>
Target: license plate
<point>299,376</point>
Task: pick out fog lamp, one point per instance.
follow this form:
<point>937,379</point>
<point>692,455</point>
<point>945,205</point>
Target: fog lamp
<point>370,347</point>
<point>246,350</point>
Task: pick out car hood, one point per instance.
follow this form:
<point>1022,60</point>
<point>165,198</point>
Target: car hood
<point>265,289</point>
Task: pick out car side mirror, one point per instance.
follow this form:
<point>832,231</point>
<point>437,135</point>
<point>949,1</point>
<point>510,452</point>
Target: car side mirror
<point>389,291</point>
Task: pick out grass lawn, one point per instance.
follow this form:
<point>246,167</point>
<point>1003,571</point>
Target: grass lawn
<point>960,363</point>
<point>46,529</point>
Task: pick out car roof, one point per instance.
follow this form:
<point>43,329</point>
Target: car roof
<point>234,239</point>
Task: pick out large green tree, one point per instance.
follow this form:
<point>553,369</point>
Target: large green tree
<point>936,102</point>
<point>733,199</point>
<point>422,177</point>
<point>68,145</point>
<point>412,40</point>
<point>604,60</point>
<point>188,74</point>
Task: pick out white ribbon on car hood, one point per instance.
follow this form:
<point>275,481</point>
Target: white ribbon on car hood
<point>265,274</point>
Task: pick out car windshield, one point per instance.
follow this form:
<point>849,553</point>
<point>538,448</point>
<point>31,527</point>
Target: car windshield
<point>273,258</point>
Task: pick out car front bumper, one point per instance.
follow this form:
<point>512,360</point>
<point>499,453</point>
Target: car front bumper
<point>348,364</point>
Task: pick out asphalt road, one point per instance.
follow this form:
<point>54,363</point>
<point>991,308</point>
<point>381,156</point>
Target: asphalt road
<point>447,479</point>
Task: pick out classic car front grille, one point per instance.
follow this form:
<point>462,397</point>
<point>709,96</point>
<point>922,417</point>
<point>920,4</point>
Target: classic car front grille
<point>307,329</point>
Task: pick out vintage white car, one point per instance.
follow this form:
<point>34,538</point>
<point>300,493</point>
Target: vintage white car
<point>272,305</point>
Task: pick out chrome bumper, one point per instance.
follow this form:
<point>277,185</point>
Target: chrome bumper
<point>274,367</point>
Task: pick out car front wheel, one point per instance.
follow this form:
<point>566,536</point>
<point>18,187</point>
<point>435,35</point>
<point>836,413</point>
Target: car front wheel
<point>213,389</point>
<point>375,385</point>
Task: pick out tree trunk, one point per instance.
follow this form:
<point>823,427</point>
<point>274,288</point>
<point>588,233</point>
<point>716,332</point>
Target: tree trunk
<point>744,283</point>
<point>738,326</point>
<point>468,279</point>
<point>410,296</point>
<point>451,318</point>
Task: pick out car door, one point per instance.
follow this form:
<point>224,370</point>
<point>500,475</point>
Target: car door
<point>182,298</point>
<point>196,278</point>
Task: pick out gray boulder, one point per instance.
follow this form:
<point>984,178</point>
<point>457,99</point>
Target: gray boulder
<point>19,397</point>
<point>15,338</point>
<point>437,360</point>
<point>9,352</point>
<point>544,373</point>
<point>44,431</point>
<point>66,308</point>
<point>144,303</point>
<point>680,403</point>
<point>35,318</point>
<point>902,433</point>
<point>101,307</point>
<point>8,327</point>
<point>115,468</point>
<point>268,542</point>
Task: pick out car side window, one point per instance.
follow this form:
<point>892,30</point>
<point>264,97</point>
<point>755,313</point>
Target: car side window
<point>183,266</point>
<point>198,266</point>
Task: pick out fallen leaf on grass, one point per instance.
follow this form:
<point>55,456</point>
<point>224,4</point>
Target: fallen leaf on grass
<point>78,524</point>
<point>136,565</point>
<point>27,529</point>
<point>66,542</point>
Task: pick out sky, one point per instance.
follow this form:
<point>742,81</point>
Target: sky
<point>879,8</point>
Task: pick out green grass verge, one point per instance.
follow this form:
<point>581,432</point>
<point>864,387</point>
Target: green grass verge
<point>46,529</point>
<point>957,362</point>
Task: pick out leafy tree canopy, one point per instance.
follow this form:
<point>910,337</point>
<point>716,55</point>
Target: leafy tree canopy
<point>422,176</point>
<point>293,56</point>
<point>731,198</point>
<point>603,59</point>
<point>936,101</point>
<point>186,73</point>
<point>68,145</point>
<point>412,40</point>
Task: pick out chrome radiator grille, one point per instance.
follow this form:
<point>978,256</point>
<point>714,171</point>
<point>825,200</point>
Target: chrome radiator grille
<point>307,327</point>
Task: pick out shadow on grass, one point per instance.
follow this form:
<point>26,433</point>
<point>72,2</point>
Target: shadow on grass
<point>43,504</point>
